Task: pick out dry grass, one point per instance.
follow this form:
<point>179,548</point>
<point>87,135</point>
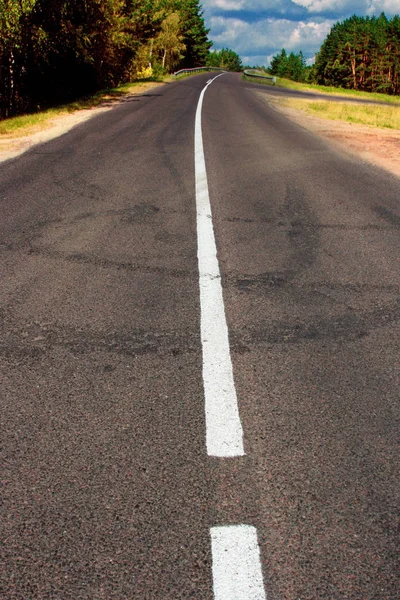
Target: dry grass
<point>364,114</point>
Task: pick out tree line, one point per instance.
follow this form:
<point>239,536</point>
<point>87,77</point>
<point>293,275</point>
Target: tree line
<point>224,59</point>
<point>360,53</point>
<point>54,51</point>
<point>290,66</point>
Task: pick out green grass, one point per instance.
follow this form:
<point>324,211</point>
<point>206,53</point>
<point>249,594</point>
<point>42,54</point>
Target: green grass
<point>31,123</point>
<point>367,114</point>
<point>323,89</point>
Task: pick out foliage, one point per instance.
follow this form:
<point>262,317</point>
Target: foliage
<point>195,35</point>
<point>292,66</point>
<point>169,41</point>
<point>225,59</point>
<point>54,51</point>
<point>361,53</point>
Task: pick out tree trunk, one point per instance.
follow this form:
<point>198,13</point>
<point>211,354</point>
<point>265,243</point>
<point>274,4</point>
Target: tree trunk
<point>353,70</point>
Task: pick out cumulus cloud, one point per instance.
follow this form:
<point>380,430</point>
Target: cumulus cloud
<point>390,7</point>
<point>264,38</point>
<point>333,6</point>
<point>227,4</point>
<point>338,7</point>
<point>241,5</point>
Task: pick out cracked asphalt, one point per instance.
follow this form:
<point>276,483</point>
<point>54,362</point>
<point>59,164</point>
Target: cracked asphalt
<point>107,489</point>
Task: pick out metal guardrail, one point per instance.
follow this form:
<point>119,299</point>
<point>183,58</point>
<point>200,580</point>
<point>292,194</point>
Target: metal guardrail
<point>260,76</point>
<point>199,70</point>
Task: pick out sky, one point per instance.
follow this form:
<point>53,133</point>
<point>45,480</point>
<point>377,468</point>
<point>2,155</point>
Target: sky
<point>258,29</point>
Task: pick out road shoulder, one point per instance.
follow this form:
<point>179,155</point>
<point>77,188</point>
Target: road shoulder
<point>377,146</point>
<point>14,145</point>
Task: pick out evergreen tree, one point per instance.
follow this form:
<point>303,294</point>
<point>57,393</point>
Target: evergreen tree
<point>292,66</point>
<point>225,59</point>
<point>195,34</point>
<point>278,63</point>
<point>361,53</point>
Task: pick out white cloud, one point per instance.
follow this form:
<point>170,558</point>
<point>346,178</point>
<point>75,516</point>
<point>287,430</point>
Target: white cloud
<point>260,60</point>
<point>226,4</point>
<point>252,6</point>
<point>390,7</point>
<point>350,6</point>
<point>263,37</point>
<point>338,7</point>
<point>330,6</point>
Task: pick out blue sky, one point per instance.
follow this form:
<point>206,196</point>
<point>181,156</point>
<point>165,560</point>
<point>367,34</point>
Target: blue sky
<point>258,29</point>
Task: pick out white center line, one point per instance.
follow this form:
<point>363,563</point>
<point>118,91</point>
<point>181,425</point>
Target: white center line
<point>224,434</point>
<point>236,564</point>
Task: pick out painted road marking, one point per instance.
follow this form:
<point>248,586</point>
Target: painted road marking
<point>224,434</point>
<point>236,564</point>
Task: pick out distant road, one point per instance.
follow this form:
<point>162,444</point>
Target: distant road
<point>115,485</point>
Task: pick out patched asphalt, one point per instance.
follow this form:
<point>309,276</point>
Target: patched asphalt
<point>107,488</point>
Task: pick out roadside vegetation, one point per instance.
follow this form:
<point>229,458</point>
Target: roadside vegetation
<point>328,90</point>
<point>33,122</point>
<point>52,53</point>
<point>360,54</point>
<point>224,59</point>
<point>27,124</point>
<point>367,114</point>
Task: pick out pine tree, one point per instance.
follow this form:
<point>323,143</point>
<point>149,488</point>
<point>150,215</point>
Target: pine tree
<point>195,34</point>
<point>361,53</point>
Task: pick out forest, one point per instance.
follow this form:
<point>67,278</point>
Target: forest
<point>291,66</point>
<point>54,51</point>
<point>360,53</point>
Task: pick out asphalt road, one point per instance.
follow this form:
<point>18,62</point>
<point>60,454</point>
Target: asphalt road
<point>108,491</point>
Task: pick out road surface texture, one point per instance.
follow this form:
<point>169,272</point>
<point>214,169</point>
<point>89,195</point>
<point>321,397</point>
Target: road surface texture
<point>108,490</point>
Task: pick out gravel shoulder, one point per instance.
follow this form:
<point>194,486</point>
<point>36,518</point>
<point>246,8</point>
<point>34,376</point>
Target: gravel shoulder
<point>380,147</point>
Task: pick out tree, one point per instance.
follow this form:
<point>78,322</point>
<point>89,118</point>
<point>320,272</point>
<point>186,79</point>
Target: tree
<point>361,53</point>
<point>225,59</point>
<point>278,63</point>
<point>53,51</point>
<point>195,34</point>
<point>169,41</point>
<point>292,66</point>
<point>12,15</point>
